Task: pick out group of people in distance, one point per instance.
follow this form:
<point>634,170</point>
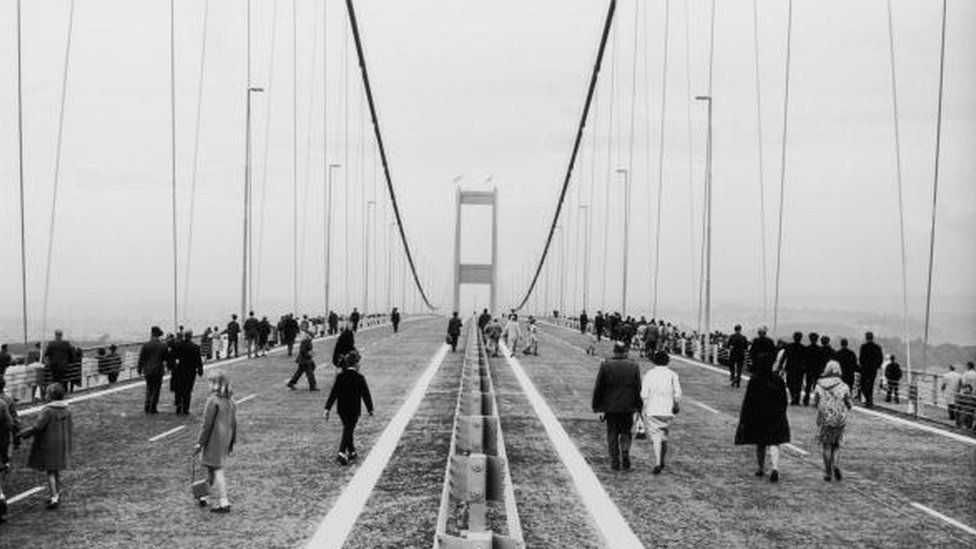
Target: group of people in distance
<point>514,336</point>
<point>781,374</point>
<point>183,359</point>
<point>959,391</point>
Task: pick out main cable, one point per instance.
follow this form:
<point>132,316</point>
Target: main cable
<point>608,24</point>
<point>782,173</point>
<point>382,149</point>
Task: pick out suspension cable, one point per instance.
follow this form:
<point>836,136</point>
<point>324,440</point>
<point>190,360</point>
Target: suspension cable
<point>606,190</point>
<point>196,156</point>
<point>57,166</point>
<point>308,153</point>
<point>759,143</point>
<point>633,126</point>
<point>707,194</point>
<point>382,149</point>
<point>935,191</point>
<point>576,144</point>
<point>294,150</point>
<point>660,159</point>
<point>782,172</point>
<point>172,129</point>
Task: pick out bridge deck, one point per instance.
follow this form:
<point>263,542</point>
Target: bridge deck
<point>127,491</point>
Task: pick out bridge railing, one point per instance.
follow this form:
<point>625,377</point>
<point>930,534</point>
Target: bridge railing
<point>477,483</point>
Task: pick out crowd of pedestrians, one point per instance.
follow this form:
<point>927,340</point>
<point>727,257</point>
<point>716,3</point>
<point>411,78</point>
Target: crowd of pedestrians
<point>182,356</point>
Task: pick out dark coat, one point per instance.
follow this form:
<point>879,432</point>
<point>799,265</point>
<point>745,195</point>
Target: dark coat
<point>454,326</point>
<point>251,328</point>
<point>52,432</point>
<point>618,386</point>
<point>188,361</point>
<point>793,355</point>
<point>762,419</point>
<point>738,344</point>
<point>871,358</point>
<point>848,365</point>
<point>289,330</point>
<point>152,358</point>
<point>58,356</point>
<point>345,343</point>
<point>350,388</point>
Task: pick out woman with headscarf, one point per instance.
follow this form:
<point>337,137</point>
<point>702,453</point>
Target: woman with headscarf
<point>762,419</point>
<point>832,397</point>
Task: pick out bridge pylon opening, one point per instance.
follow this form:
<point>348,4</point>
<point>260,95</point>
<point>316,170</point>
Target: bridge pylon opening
<point>476,273</point>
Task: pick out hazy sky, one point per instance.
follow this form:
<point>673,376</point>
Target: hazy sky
<point>472,89</point>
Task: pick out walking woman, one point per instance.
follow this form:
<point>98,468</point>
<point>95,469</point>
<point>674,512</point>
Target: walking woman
<point>216,441</point>
<point>832,397</point>
<point>762,420</point>
<point>349,390</point>
<point>661,392</point>
<point>51,449</point>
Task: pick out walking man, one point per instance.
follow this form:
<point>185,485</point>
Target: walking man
<point>870,359</point>
<point>793,355</point>
<point>737,346</point>
<point>583,320</point>
<point>152,366</point>
<point>233,332</point>
<point>251,334</point>
<point>616,396</point>
<point>454,331</point>
<point>395,320</point>
<point>189,366</point>
<point>354,317</point>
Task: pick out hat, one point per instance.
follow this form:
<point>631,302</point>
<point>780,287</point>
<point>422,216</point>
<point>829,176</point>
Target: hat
<point>351,359</point>
<point>156,331</point>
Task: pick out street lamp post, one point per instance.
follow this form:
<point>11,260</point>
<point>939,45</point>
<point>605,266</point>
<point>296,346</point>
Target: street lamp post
<point>708,218</point>
<point>328,235</point>
<point>245,290</point>
<point>626,174</point>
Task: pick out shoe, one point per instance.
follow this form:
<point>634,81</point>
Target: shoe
<point>290,386</point>
<point>342,459</point>
<point>774,476</point>
<point>626,464</point>
<point>223,509</point>
<point>202,502</point>
<point>656,470</point>
<point>827,477</point>
<point>353,456</point>
<point>837,475</point>
<point>760,473</point>
<point>52,504</point>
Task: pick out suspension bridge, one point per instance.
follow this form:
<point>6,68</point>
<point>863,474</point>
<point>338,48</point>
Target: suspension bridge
<point>276,156</point>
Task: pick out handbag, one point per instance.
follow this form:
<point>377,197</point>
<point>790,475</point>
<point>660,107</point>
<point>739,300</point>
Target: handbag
<point>199,488</point>
<point>640,430</point>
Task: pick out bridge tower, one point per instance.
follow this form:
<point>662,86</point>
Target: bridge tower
<point>473,273</point>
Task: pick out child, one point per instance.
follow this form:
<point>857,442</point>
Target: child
<point>51,449</point>
<point>306,365</point>
<point>8,431</point>
<point>532,341</point>
<point>892,374</point>
<point>217,436</point>
<point>349,389</point>
<point>591,348</point>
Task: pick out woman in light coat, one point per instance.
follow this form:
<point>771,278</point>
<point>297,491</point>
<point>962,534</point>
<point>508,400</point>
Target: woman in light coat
<point>513,333</point>
<point>217,436</point>
<point>661,392</point>
<point>832,397</point>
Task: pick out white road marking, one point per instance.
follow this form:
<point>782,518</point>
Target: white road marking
<point>338,524</point>
<point>796,449</point>
<point>968,529</point>
<point>167,433</point>
<point>614,528</point>
<point>25,495</point>
<point>245,399</point>
<point>220,363</point>
<point>702,405</point>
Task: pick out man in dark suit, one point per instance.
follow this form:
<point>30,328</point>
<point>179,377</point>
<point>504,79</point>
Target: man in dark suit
<point>188,367</point>
<point>811,366</point>
<point>616,395</point>
<point>152,365</point>
<point>869,359</point>
<point>793,355</point>
<point>737,346</point>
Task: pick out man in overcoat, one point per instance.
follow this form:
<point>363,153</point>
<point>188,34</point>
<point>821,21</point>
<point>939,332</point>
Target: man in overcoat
<point>616,395</point>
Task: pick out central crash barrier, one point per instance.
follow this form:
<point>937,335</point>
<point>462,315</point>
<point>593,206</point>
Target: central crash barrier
<point>478,501</point>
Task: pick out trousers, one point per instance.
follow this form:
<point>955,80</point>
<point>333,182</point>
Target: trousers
<point>794,382</point>
<point>619,436</point>
<point>346,445</point>
<point>867,387</point>
<point>154,383</point>
<point>308,370</point>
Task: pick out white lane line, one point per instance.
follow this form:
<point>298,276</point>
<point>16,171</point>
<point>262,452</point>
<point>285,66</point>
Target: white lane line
<point>968,529</point>
<point>796,449</point>
<point>702,405</point>
<point>25,495</point>
<point>245,399</point>
<point>221,363</point>
<point>338,524</point>
<point>167,433</point>
<point>611,524</point>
